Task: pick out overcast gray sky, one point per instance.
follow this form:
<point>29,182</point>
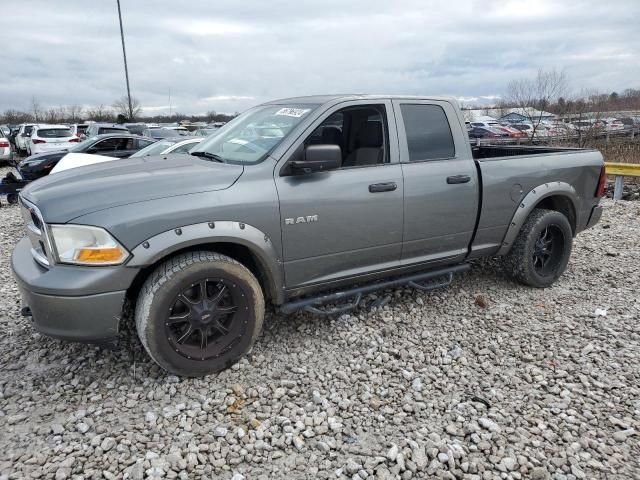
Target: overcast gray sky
<point>228,55</point>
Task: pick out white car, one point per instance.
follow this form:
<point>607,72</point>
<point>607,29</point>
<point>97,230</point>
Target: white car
<point>169,145</point>
<point>22,137</point>
<point>79,129</point>
<point>162,147</point>
<point>47,138</point>
<point>484,124</point>
<point>613,125</point>
<point>5,148</point>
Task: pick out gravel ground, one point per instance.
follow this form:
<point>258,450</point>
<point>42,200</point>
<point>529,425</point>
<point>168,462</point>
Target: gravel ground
<point>483,380</point>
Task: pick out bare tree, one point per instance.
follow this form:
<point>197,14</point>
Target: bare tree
<point>121,106</point>
<point>51,115</point>
<point>36,109</point>
<point>15,116</point>
<point>74,113</point>
<point>100,113</point>
<point>531,96</point>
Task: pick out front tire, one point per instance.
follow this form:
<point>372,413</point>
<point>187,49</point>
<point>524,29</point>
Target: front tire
<point>542,249</point>
<point>199,312</point>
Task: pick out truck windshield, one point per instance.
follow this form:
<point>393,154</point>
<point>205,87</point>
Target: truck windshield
<point>251,136</point>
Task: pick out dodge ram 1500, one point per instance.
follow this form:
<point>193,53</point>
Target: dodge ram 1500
<point>296,203</point>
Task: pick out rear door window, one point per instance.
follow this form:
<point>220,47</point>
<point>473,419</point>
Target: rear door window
<point>428,133</point>
<point>108,145</point>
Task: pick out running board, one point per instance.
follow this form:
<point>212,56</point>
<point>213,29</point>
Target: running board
<point>421,281</point>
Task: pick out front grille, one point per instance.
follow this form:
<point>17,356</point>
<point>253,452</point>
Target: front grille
<point>37,233</point>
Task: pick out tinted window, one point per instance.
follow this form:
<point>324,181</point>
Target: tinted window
<point>112,130</point>
<point>428,133</point>
<point>108,144</point>
<point>53,132</point>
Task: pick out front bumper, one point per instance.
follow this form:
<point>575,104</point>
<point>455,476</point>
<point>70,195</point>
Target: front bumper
<point>71,302</point>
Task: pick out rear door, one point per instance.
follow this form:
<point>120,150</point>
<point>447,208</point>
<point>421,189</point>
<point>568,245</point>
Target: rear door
<point>441,188</point>
<point>344,222</point>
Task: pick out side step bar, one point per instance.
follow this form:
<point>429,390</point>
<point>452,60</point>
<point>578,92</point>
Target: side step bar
<point>422,281</point>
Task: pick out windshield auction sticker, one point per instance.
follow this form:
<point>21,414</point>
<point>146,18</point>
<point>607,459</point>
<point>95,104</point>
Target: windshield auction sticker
<point>292,112</point>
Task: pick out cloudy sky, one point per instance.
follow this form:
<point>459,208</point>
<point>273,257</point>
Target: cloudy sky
<point>228,55</point>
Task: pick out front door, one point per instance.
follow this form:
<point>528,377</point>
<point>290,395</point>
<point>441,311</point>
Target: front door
<point>346,221</point>
<point>441,190</point>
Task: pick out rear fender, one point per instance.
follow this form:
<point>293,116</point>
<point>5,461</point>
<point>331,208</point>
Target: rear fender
<point>530,201</point>
<point>160,246</point>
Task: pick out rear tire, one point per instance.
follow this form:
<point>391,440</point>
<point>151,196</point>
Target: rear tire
<point>192,333</point>
<point>542,249</point>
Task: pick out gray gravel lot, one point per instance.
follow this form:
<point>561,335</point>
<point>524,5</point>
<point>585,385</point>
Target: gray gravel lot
<point>483,380</point>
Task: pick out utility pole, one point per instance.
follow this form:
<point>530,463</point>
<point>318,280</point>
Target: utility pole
<point>126,70</point>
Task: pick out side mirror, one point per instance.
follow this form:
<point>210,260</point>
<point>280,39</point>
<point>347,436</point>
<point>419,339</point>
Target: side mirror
<point>318,158</point>
<point>92,150</point>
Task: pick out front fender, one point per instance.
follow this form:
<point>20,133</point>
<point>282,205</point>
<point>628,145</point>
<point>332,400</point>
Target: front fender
<point>530,201</point>
<point>159,246</point>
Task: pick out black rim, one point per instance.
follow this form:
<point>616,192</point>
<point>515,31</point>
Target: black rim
<point>548,250</point>
<point>207,319</point>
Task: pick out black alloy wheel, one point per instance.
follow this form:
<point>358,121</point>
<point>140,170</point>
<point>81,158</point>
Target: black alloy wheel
<point>205,319</point>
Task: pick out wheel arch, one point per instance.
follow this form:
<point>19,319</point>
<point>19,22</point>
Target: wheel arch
<point>558,196</point>
<point>237,240</point>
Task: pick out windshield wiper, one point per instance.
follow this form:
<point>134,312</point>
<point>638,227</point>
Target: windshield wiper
<point>210,156</point>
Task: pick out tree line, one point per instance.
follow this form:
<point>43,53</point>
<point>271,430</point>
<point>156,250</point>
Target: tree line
<point>117,112</point>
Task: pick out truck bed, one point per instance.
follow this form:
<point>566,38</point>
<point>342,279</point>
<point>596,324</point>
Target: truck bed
<point>498,151</point>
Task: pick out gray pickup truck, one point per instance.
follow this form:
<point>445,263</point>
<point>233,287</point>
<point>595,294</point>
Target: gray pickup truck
<point>305,203</point>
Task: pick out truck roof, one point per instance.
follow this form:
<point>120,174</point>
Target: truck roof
<point>322,99</point>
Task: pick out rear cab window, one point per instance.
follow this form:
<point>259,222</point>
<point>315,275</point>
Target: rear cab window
<point>428,132</point>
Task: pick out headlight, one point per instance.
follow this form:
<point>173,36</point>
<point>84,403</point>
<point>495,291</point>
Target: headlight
<point>84,245</point>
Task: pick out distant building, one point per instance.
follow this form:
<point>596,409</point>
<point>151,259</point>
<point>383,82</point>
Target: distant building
<point>527,114</point>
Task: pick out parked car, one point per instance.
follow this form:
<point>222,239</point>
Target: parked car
<point>612,125</point>
<point>160,132</point>
<point>104,128</point>
<point>631,122</point>
<point>48,138</point>
<point>181,131</point>
<point>113,145</point>
<point>486,132</point>
<point>161,147</point>
<point>510,131</point>
<point>136,128</point>
<point>5,148</point>
<point>489,124</point>
<point>540,131</point>
<point>79,129</point>
<point>5,131</point>
<point>169,145</point>
<point>22,137</point>
<point>200,243</point>
<point>204,132</point>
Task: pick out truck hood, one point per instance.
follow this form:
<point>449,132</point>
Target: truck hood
<point>66,195</point>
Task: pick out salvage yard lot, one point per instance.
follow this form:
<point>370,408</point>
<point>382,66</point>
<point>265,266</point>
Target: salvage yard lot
<point>485,379</point>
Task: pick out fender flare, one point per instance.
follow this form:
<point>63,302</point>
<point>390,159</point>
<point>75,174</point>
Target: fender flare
<point>529,202</point>
<point>259,244</point>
